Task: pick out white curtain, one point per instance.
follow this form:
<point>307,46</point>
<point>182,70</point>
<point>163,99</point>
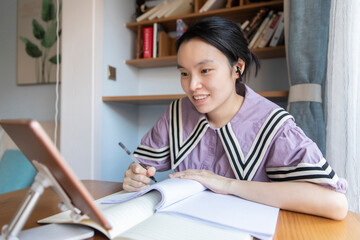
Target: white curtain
<point>342,96</point>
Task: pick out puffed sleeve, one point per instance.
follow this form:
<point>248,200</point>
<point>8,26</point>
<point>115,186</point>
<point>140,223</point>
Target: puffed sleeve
<point>295,157</point>
<point>154,146</point>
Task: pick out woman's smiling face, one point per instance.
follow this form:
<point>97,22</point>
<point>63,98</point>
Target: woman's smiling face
<point>207,77</point>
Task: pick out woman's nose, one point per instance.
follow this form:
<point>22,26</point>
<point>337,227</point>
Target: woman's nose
<point>195,83</point>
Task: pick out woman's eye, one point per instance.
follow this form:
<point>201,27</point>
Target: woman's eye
<point>205,70</point>
<point>184,74</point>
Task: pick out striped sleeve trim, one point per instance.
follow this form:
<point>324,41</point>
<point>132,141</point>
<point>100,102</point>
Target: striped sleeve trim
<point>152,154</point>
<point>320,172</point>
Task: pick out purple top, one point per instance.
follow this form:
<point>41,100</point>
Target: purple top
<point>260,143</point>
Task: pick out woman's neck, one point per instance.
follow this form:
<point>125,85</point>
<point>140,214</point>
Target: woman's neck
<point>221,117</point>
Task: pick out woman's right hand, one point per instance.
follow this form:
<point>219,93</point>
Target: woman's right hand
<point>137,177</point>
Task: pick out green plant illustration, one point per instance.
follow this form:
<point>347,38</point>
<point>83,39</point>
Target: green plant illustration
<point>47,38</point>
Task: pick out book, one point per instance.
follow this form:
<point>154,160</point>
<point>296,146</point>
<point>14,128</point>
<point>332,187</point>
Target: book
<point>279,33</point>
<point>147,42</point>
<point>164,44</point>
<point>266,37</point>
<point>173,45</point>
<point>260,29</point>
<point>153,10</point>
<point>157,28</point>
<point>173,8</point>
<point>212,4</point>
<point>161,11</point>
<point>180,203</point>
<point>244,24</point>
<point>206,5</point>
<point>180,7</point>
<point>255,22</point>
<point>263,32</point>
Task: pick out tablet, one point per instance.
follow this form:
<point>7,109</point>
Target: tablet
<point>35,144</point>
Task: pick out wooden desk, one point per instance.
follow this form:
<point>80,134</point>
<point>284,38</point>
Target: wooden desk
<point>290,225</point>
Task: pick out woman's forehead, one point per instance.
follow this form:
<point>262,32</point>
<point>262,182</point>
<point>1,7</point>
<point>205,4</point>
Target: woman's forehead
<point>197,52</point>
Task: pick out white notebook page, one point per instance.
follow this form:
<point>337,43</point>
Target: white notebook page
<point>172,190</point>
<point>164,227</point>
<point>230,211</point>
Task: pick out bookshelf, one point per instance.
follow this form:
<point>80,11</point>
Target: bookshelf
<point>166,99</point>
<point>244,11</point>
<point>262,53</point>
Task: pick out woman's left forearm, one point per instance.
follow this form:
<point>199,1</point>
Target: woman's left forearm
<point>295,196</point>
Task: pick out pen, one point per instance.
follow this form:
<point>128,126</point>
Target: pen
<point>134,158</point>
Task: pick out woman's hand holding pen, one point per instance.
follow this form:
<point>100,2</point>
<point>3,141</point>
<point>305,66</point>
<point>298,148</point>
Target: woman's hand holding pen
<point>137,177</point>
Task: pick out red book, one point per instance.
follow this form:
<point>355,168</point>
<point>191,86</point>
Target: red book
<point>147,42</point>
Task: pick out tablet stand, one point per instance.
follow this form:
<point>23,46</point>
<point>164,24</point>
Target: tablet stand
<point>43,179</point>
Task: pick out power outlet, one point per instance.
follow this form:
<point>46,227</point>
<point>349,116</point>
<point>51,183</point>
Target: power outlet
<point>111,73</point>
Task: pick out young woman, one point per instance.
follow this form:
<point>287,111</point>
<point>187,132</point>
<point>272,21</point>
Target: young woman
<point>231,139</point>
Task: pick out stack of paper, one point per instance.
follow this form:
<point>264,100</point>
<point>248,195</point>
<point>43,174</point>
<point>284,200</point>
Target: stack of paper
<point>168,8</point>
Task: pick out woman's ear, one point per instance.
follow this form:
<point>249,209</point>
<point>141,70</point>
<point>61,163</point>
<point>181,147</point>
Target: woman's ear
<point>240,65</point>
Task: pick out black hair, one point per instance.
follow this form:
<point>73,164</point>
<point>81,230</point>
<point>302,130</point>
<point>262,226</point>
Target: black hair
<point>227,37</point>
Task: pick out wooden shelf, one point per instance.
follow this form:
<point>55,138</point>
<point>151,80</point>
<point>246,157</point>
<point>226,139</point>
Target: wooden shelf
<point>241,13</point>
<point>153,62</point>
<point>276,96</point>
<point>144,99</point>
<point>238,14</point>
<point>262,53</point>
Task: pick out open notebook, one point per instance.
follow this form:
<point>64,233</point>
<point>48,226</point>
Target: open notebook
<point>179,204</point>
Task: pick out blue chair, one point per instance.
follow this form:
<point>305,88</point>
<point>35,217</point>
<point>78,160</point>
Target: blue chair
<point>16,172</point>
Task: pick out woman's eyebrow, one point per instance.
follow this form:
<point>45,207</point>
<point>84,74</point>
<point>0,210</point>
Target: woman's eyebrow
<point>199,63</point>
<point>204,62</point>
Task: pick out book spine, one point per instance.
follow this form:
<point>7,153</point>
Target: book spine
<point>255,22</point>
<point>260,29</point>
<point>270,31</point>
<point>217,4</point>
<point>244,24</point>
<point>146,15</point>
<point>155,39</point>
<point>206,6</point>
<point>147,42</point>
<point>276,37</point>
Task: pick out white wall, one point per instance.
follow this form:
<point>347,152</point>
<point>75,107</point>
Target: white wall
<point>82,57</point>
<point>33,101</point>
<point>120,121</point>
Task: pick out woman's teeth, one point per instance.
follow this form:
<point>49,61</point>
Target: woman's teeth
<point>200,97</point>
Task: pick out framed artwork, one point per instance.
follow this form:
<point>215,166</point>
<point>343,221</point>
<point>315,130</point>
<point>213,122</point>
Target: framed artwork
<point>37,33</point>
